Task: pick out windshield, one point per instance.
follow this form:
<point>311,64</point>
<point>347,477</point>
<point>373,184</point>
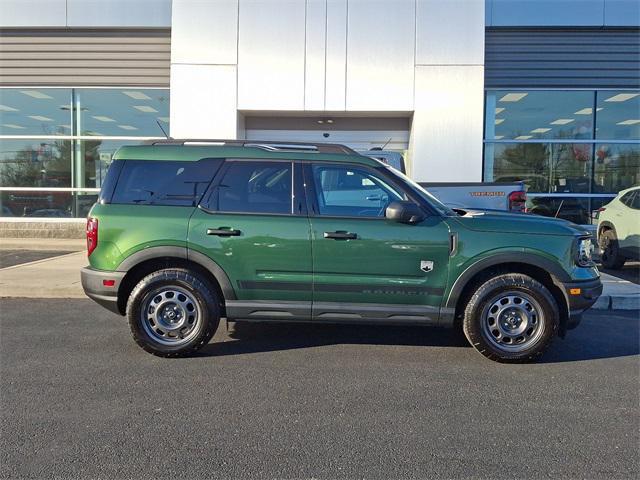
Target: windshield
<point>431,200</point>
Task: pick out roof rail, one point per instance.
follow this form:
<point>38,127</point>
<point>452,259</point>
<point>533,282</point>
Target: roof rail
<point>269,145</point>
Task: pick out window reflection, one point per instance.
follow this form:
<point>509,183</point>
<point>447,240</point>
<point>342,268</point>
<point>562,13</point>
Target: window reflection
<point>35,163</point>
<point>31,111</point>
<point>543,167</point>
<point>618,116</point>
<point>530,115</point>
<point>126,112</point>
<point>617,167</point>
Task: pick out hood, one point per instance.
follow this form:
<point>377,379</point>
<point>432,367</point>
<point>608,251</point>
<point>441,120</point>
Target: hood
<point>504,222</point>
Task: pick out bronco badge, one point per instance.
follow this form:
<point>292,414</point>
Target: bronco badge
<point>426,265</point>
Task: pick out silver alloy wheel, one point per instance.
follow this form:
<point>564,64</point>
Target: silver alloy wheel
<point>513,321</point>
<point>170,315</point>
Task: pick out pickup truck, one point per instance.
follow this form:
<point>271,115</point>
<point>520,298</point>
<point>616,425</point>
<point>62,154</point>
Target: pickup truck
<point>507,196</point>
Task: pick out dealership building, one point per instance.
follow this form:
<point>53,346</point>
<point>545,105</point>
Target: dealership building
<point>543,91</point>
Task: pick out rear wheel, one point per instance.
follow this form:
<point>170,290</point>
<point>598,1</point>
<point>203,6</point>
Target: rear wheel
<point>173,312</point>
<point>511,318</point>
<point>610,248</point>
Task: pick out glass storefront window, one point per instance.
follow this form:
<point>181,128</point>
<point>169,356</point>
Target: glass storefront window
<point>42,149</point>
<point>618,115</point>
<point>97,155</point>
<point>46,204</point>
<point>35,111</point>
<point>127,112</point>
<point>543,167</point>
<point>35,163</point>
<point>617,166</point>
<point>531,115</point>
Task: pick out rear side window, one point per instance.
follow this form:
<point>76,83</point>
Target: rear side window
<point>254,187</point>
<point>627,198</point>
<point>170,183</point>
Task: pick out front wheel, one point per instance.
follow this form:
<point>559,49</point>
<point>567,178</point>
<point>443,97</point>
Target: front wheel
<point>173,312</point>
<point>511,318</point>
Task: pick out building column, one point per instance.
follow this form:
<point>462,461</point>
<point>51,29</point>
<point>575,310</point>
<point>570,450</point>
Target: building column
<point>204,66</point>
<point>446,132</point>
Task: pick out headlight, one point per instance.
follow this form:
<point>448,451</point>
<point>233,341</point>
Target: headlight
<point>584,252</point>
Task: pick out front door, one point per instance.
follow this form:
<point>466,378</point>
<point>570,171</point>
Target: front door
<point>255,227</point>
<point>365,266</point>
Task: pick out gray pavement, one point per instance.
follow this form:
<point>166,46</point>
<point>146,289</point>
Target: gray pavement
<point>81,400</point>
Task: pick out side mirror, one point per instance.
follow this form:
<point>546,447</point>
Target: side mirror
<point>404,212</point>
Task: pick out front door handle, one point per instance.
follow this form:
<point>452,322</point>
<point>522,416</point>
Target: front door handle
<point>223,232</point>
<point>341,235</point>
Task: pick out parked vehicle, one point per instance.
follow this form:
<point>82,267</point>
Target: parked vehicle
<point>480,195</point>
<point>186,233</point>
<point>509,196</point>
<point>619,229</point>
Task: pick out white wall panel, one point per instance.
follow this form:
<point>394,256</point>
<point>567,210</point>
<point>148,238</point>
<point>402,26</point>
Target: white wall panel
<point>119,13</point>
<point>203,101</point>
<point>336,64</point>
<point>380,61</point>
<point>315,55</point>
<point>271,53</point>
<point>33,13</point>
<point>446,133</point>
<point>450,33</point>
<point>204,32</point>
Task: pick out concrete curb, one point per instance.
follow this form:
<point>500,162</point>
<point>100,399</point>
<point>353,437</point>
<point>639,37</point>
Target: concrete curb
<point>617,302</point>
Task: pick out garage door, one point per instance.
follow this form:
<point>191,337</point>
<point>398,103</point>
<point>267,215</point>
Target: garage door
<point>361,134</point>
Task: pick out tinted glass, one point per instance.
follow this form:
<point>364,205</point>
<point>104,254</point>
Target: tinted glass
<point>617,166</point>
<point>618,115</point>
<point>635,204</point>
<point>31,111</point>
<point>144,182</point>
<point>35,163</point>
<point>543,167</point>
<point>530,115</point>
<point>46,204</point>
<point>627,198</point>
<point>256,187</point>
<point>123,112</point>
<point>352,192</point>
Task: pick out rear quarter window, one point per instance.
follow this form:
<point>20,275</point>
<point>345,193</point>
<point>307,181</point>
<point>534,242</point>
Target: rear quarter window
<point>169,183</point>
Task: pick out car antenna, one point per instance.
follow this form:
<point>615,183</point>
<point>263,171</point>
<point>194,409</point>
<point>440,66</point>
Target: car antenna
<point>165,133</point>
<point>388,141</point>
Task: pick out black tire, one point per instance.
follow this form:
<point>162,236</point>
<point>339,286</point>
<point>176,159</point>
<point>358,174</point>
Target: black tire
<point>196,312</point>
<point>524,312</point>
<point>610,257</point>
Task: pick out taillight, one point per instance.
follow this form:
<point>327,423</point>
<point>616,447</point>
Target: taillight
<point>596,213</point>
<point>517,201</point>
<point>92,235</point>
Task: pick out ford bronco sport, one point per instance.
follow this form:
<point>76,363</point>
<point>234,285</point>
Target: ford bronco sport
<point>185,233</point>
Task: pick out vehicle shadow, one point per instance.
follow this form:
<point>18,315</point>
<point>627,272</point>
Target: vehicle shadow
<point>606,335</point>
<point>247,337</point>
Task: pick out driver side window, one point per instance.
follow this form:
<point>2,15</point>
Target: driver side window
<point>347,191</point>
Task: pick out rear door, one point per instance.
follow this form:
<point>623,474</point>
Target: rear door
<point>253,223</point>
<point>365,266</point>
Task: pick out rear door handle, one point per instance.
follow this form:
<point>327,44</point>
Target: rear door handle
<point>223,232</point>
<point>341,235</point>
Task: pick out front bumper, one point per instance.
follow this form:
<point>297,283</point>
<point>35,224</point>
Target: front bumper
<point>580,297</point>
<point>93,283</point>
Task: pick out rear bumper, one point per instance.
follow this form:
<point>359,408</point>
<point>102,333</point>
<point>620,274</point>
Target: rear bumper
<point>93,283</point>
<point>580,297</point>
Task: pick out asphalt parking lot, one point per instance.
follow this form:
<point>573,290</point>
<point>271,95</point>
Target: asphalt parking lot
<point>80,399</point>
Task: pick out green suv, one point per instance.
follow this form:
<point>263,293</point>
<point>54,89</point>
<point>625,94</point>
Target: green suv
<point>185,233</point>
